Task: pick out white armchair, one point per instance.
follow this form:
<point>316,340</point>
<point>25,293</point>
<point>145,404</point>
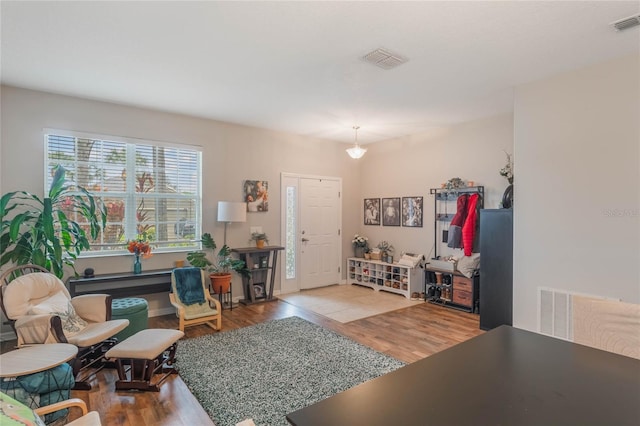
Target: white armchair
<point>41,310</point>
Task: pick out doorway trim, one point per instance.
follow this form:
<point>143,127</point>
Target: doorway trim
<point>293,285</point>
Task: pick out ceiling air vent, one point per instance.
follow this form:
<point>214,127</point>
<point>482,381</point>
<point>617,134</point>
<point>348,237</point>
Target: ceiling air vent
<point>384,59</point>
<point>626,23</point>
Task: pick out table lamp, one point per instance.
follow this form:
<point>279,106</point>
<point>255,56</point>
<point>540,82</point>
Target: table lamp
<point>231,211</point>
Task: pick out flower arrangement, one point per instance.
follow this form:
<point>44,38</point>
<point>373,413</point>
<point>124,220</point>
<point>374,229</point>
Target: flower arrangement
<point>507,170</point>
<point>360,241</point>
<point>140,247</point>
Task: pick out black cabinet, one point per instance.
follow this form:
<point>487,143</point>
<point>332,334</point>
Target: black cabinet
<point>496,270</point>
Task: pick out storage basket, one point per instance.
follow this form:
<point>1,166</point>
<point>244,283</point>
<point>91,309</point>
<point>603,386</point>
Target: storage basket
<point>375,256</point>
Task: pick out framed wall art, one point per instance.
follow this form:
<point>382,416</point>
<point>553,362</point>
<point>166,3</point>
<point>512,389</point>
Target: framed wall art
<point>391,211</point>
<point>256,194</point>
<point>259,291</point>
<point>412,211</point>
<point>372,211</point>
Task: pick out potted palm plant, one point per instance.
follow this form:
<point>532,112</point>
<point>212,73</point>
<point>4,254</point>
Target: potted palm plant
<point>221,265</point>
<point>42,231</point>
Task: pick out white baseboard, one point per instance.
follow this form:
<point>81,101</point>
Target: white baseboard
<point>7,335</point>
<point>162,311</point>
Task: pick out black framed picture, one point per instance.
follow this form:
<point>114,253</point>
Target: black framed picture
<point>412,211</point>
<point>372,211</point>
<point>391,211</point>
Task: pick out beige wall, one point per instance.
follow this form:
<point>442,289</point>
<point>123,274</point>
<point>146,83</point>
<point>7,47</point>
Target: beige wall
<point>231,154</point>
<point>575,138</point>
<point>410,166</point>
<point>577,185</point>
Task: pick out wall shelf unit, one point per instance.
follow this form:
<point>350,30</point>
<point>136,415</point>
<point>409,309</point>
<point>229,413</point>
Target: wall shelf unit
<point>383,276</point>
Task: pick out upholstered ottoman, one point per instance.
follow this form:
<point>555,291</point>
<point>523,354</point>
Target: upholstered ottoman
<point>136,310</point>
<point>144,354</point>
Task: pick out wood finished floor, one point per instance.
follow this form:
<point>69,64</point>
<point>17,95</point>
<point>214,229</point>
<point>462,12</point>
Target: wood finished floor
<point>407,334</point>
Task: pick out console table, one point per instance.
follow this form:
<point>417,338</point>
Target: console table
<point>261,263</point>
<point>124,284</point>
<point>35,359</point>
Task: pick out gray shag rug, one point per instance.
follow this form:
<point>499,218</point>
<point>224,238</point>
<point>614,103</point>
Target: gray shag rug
<point>268,370</point>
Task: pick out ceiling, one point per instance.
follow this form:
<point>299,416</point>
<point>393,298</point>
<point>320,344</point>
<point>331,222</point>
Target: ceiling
<point>297,67</point>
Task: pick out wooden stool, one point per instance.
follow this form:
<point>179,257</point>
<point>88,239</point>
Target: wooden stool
<point>142,355</point>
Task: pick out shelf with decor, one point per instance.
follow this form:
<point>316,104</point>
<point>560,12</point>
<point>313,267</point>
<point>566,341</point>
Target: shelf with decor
<point>383,276</point>
<point>258,282</point>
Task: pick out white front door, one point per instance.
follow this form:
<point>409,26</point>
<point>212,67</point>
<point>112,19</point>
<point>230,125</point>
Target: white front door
<point>311,231</point>
<point>319,232</point>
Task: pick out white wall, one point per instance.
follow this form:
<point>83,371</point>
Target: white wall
<point>412,165</point>
<point>231,154</point>
<point>577,185</point>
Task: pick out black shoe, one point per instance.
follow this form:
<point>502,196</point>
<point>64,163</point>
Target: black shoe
<point>431,292</point>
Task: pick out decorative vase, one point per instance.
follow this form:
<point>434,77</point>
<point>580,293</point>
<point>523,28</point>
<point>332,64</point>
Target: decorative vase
<point>137,265</point>
<point>507,197</point>
<point>358,251</point>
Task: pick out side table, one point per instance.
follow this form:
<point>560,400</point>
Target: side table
<point>261,264</point>
<point>35,359</point>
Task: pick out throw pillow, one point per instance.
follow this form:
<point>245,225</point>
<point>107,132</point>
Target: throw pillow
<point>468,264</point>
<point>58,304</point>
<point>13,412</point>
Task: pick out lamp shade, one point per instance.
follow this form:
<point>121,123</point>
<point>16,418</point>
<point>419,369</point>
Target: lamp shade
<point>231,211</point>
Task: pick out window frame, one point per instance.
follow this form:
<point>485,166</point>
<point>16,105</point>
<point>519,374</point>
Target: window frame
<point>130,196</point>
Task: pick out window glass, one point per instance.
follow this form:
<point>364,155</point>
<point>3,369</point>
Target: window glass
<point>290,252</point>
<point>149,189</point>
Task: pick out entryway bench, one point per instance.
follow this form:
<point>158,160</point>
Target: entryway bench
<point>142,355</point>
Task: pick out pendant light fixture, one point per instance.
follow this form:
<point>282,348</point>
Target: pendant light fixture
<point>356,152</point>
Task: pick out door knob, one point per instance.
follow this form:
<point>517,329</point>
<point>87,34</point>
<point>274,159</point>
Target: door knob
<point>304,240</point>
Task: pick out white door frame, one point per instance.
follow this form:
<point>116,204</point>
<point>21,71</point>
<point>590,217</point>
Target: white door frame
<point>291,286</point>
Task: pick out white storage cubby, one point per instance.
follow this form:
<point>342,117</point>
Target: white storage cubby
<point>384,276</point>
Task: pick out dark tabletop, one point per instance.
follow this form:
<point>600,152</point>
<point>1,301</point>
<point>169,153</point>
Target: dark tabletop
<point>506,376</point>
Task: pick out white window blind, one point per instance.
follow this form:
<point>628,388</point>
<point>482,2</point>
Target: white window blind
<point>149,188</point>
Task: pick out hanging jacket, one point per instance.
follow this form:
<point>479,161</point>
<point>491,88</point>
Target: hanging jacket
<point>469,227</point>
<point>455,230</point>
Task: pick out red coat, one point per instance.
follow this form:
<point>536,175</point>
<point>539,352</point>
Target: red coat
<point>469,227</point>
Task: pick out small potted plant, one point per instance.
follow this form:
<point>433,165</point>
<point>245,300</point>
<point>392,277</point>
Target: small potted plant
<point>367,253</point>
<point>260,238</point>
<point>221,265</point>
<point>386,250</point>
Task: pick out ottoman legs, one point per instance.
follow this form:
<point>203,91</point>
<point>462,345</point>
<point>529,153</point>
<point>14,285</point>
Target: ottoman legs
<point>136,374</point>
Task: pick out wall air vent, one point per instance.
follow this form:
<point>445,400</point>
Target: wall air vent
<point>556,311</point>
<point>384,59</point>
<point>626,23</point>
